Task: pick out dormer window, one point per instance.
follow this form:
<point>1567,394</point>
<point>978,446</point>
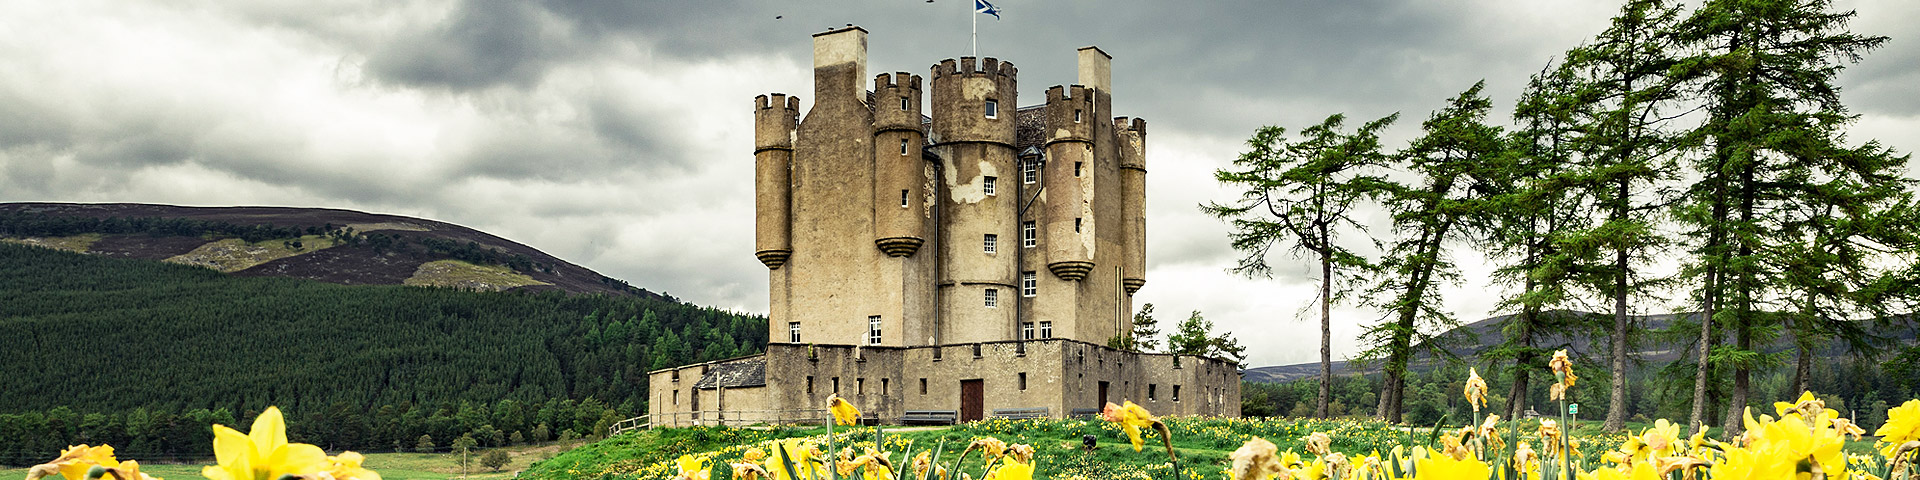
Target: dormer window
<point>992,109</point>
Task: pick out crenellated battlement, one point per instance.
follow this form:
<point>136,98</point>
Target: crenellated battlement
<point>1070,111</point>
<point>774,119</point>
<point>1138,125</point>
<point>1059,93</point>
<point>968,67</point>
<point>895,81</point>
<point>768,102</point>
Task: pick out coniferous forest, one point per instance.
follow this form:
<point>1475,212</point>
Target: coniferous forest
<point>145,355</point>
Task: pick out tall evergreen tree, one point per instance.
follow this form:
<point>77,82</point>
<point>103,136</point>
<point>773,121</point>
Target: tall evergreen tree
<point>1772,143</point>
<point>1627,154</point>
<point>1448,164</point>
<point>1301,193</point>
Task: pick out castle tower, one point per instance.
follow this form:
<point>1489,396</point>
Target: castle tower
<point>901,168</point>
<point>1133,186</point>
<point>973,130</point>
<point>774,118</point>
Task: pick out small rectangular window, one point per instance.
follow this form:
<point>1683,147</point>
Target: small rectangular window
<point>809,385</point>
<point>836,385</point>
<point>1150,388</point>
<point>860,386</point>
<point>873,330</point>
<point>993,297</point>
<point>903,199</point>
<point>1076,224</point>
<point>1023,380</point>
<point>793,332</point>
<point>1076,168</point>
<point>903,146</point>
<point>1029,234</point>
<point>992,243</point>
<point>1026,330</point>
<point>903,103</point>
<point>1046,329</point>
<point>988,186</point>
<point>883,386</point>
<point>1029,172</point>
<point>676,397</point>
<point>1176,393</point>
<point>923,386</point>
<point>1029,284</point>
<point>992,109</point>
<point>1076,115</point>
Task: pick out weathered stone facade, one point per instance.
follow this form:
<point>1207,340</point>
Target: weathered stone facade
<point>979,247</point>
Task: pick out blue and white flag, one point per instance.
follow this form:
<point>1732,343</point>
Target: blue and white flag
<point>981,6</point>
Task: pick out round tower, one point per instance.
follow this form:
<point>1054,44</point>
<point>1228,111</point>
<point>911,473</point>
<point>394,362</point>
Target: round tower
<point>1069,225</point>
<point>973,109</point>
<point>1132,137</point>
<point>774,120</point>
<point>900,207</point>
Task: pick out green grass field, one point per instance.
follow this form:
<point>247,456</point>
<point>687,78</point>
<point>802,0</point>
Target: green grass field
<point>392,466</point>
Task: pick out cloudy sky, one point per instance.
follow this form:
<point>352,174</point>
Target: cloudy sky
<point>616,133</point>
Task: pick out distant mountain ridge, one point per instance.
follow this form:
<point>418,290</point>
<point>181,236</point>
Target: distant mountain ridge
<point>330,245</point>
<point>1467,341</point>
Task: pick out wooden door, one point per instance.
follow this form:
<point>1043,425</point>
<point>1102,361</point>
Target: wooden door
<point>972,394</point>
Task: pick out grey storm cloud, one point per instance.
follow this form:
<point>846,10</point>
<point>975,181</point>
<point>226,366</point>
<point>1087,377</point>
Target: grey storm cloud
<point>615,133</point>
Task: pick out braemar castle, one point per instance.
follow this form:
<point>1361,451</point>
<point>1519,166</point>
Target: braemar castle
<point>951,255</point>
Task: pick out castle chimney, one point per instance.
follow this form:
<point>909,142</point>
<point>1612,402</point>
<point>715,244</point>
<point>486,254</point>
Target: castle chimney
<point>840,64</point>
<point>1096,69</point>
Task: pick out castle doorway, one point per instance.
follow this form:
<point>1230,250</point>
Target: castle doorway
<point>1103,394</point>
<point>972,393</point>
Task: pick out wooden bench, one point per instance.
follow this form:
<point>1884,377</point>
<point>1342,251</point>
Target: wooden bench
<point>930,417</point>
<point>1083,413</point>
<point>1020,413</point>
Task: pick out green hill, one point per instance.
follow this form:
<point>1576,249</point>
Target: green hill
<point>143,355</point>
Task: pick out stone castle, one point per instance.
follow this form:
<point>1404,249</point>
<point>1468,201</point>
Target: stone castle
<point>973,259</point>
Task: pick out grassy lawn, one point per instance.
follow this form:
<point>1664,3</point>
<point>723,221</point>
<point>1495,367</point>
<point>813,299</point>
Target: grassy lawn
<point>392,466</point>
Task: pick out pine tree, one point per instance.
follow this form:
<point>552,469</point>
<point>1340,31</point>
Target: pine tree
<point>1300,193</point>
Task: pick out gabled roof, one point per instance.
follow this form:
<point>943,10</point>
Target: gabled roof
<point>746,372</point>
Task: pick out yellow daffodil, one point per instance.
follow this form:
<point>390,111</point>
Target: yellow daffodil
<point>1318,443</point>
<point>844,413</point>
<point>1846,427</point>
<point>1638,471</point>
<point>1022,453</point>
<point>1255,460</point>
<point>1443,467</point>
<point>346,466</point>
<point>1011,471</point>
<point>1131,418</point>
<point>1476,389</point>
<point>751,471</point>
<point>74,462</point>
<point>1525,460</point>
<point>1662,438</point>
<point>263,453</point>
<point>1903,425</point>
<point>692,468</point>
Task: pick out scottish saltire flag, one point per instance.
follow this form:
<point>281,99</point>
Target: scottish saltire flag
<point>981,6</point>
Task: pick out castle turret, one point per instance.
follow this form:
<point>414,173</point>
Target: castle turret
<point>973,125</point>
<point>1132,139</point>
<point>902,175</point>
<point>774,118</point>
<point>1068,219</point>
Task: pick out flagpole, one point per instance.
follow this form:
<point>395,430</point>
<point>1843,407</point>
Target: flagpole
<point>973,11</point>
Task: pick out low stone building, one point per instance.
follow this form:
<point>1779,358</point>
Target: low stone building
<point>974,259</point>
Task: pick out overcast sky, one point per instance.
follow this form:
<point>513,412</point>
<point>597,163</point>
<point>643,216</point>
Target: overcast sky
<point>616,133</point>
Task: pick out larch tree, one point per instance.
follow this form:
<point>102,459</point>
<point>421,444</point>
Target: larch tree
<point>1447,165</point>
<point>1773,137</point>
<point>1301,194</point>
<point>1627,156</point>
